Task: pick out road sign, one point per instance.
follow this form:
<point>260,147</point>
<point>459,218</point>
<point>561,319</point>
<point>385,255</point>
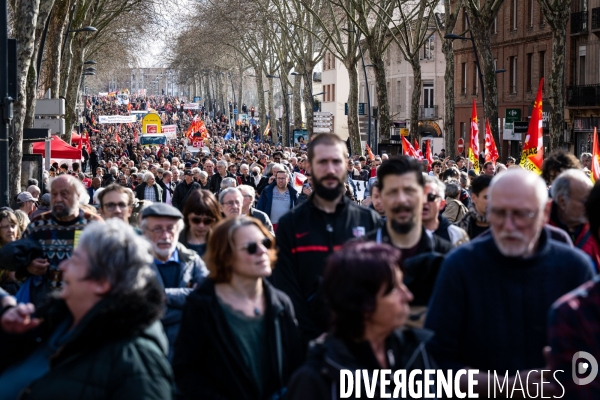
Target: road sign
<point>321,130</point>
<point>460,147</point>
<point>235,111</point>
<point>513,114</point>
<point>361,108</point>
<point>50,107</point>
<point>521,126</point>
<point>57,126</point>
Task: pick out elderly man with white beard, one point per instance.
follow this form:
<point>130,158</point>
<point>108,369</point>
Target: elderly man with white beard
<point>177,269</point>
<point>490,304</point>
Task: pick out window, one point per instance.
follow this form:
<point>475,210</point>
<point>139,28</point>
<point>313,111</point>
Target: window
<point>332,88</point>
<point>428,106</point>
<point>387,56</point>
<point>398,95</point>
<point>529,71</point>
<point>464,19</point>
<point>530,13</point>
<point>581,70</point>
<point>464,78</point>
<point>361,94</point>
<point>495,25</point>
<point>399,56</point>
<point>513,76</point>
<point>428,48</point>
<point>513,15</point>
<point>542,64</point>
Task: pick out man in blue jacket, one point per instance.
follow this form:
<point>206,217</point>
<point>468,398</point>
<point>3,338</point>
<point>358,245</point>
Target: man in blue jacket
<point>278,198</point>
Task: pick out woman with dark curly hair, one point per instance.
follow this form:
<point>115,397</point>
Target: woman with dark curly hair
<point>368,304</point>
<point>557,162</point>
<point>200,213</point>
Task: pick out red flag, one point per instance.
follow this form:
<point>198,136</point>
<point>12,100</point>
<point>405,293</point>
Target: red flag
<point>474,141</point>
<point>117,138</point>
<point>491,152</point>
<point>428,154</point>
<point>135,135</point>
<point>369,152</point>
<point>407,148</point>
<point>595,175</point>
<point>533,148</point>
<point>418,151</point>
<point>80,142</point>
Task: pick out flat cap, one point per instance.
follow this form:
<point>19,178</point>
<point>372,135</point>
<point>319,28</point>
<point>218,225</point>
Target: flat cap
<point>161,210</point>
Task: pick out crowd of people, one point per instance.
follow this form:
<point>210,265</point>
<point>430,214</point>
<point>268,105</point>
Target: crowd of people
<point>247,269</point>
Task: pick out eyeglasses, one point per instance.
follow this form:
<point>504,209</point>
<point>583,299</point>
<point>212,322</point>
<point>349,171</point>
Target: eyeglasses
<point>159,230</point>
<point>112,206</point>
<point>432,197</point>
<point>520,218</point>
<point>252,247</point>
<point>232,203</point>
<point>203,220</point>
<point>248,196</point>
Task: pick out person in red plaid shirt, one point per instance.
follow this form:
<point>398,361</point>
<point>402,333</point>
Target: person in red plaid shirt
<point>575,327</point>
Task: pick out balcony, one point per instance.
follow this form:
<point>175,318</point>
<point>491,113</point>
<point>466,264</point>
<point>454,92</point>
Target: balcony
<point>595,19</point>
<point>583,96</point>
<point>428,112</point>
<point>579,23</point>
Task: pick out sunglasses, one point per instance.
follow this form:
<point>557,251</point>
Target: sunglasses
<point>252,247</point>
<point>432,197</point>
<point>203,220</point>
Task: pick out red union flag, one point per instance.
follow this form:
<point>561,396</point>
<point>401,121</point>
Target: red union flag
<point>418,151</point>
<point>474,141</point>
<point>533,148</point>
<point>491,152</point>
<point>428,154</point>
<point>408,149</point>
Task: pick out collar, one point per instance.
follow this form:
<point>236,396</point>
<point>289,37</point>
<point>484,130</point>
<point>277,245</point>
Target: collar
<point>174,258</point>
<point>425,244</point>
<point>343,203</point>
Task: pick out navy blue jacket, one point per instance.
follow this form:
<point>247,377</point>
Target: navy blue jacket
<point>266,198</point>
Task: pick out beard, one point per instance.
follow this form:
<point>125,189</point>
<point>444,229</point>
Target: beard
<point>326,193</point>
<point>165,253</point>
<point>60,210</point>
<point>403,228</point>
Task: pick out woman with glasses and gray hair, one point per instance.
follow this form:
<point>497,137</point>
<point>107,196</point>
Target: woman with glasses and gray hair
<point>100,338</point>
<point>238,337</point>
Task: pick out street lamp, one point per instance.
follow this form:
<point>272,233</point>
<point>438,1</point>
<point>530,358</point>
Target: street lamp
<point>84,29</point>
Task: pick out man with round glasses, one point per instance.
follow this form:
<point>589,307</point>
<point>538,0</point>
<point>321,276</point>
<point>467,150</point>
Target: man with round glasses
<point>177,269</point>
<point>116,201</point>
<point>490,304</point>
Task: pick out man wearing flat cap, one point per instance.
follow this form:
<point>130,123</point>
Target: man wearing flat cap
<point>177,269</point>
<point>184,188</point>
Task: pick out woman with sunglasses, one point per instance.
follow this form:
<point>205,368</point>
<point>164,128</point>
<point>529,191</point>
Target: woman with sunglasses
<point>201,212</point>
<point>238,337</point>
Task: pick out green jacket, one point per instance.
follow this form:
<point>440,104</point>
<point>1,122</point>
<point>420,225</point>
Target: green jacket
<point>117,351</point>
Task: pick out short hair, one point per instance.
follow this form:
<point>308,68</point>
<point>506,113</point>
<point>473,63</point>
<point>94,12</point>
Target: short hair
<point>328,139</point>
<point>510,159</point>
<point>201,202</point>
<point>247,189</point>
<point>115,187</point>
<point>561,187</point>
<point>203,174</point>
<point>485,165</point>
<point>114,170</point>
<point>196,170</point>
<point>221,250</point>
<point>480,183</point>
<point>228,182</point>
<point>432,180</point>
<point>147,176</point>
<point>400,165</point>
<point>353,278</point>
<point>558,161</point>
<point>117,255</point>
<point>77,185</point>
<point>585,156</point>
<point>222,163</point>
<point>436,163</point>
<point>167,173</point>
<point>593,211</point>
<point>12,218</point>
<point>32,182</point>
<point>452,190</point>
<point>227,191</point>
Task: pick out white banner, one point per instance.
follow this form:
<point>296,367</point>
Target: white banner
<point>102,93</point>
<point>360,189</point>
<point>116,119</point>
<point>191,106</point>
<point>170,131</point>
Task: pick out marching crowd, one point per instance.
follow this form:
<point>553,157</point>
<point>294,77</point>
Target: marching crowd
<point>249,270</point>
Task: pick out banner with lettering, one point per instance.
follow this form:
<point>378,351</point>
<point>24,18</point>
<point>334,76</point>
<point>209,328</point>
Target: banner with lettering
<point>533,148</point>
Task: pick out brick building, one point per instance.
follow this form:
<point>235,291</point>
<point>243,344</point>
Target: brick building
<point>521,45</point>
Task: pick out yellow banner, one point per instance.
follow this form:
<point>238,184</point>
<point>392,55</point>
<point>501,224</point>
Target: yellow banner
<point>528,165</point>
<point>475,160</point>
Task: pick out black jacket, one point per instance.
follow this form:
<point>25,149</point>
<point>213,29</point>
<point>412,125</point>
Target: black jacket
<point>319,378</point>
<point>306,236</point>
<point>182,190</point>
<point>215,181</point>
<point>421,270</point>
<point>207,361</point>
<point>117,351</point>
<point>140,189</point>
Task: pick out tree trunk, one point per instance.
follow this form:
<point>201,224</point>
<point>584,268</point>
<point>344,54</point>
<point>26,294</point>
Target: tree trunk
<point>261,100</point>
<point>240,92</point>
<point>26,13</point>
<point>271,109</point>
<point>450,140</point>
<point>297,98</point>
<point>556,97</point>
<point>72,95</point>
<point>208,97</point>
<point>52,65</point>
<point>353,131</point>
<point>382,97</point>
<point>308,101</point>
<point>416,96</point>
<point>285,120</point>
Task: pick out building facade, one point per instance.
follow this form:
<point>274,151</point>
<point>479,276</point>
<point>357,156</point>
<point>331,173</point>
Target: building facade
<point>522,47</point>
<point>334,81</point>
